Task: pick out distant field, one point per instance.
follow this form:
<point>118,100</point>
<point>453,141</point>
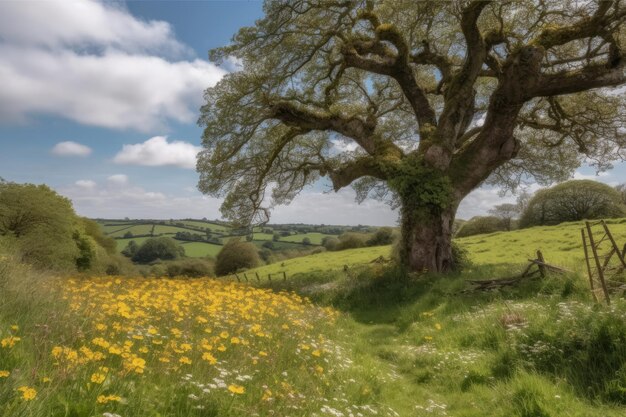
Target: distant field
<point>213,226</point>
<point>119,231</point>
<point>122,243</point>
<point>263,236</point>
<point>200,249</point>
<point>316,238</point>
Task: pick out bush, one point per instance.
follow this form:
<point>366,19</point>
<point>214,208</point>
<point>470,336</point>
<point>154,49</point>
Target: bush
<point>163,248</point>
<point>42,225</point>
<point>351,241</point>
<point>190,267</point>
<point>306,241</point>
<point>383,236</point>
<point>330,243</point>
<point>572,201</point>
<point>236,255</point>
<point>481,224</point>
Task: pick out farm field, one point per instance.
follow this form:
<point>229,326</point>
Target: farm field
<point>117,229</point>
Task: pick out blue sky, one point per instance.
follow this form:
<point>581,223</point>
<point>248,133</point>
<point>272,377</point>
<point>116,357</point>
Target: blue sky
<point>100,101</point>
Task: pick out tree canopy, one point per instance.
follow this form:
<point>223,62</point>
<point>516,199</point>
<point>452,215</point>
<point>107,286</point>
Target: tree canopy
<point>415,102</point>
<point>572,201</point>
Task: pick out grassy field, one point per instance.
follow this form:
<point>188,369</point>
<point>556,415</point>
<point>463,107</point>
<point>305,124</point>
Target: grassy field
<point>122,243</point>
<point>200,249</point>
<point>560,244</point>
<point>366,341</point>
<point>316,238</point>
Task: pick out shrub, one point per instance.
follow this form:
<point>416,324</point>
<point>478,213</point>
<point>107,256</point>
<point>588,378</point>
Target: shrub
<point>383,236</point>
<point>236,255</point>
<point>572,201</point>
<point>164,248</point>
<point>42,224</point>
<point>306,241</point>
<point>481,224</point>
<point>190,267</point>
<point>350,241</point>
<point>330,243</point>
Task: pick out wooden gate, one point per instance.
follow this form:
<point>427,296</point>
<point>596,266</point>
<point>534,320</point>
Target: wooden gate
<point>603,256</point>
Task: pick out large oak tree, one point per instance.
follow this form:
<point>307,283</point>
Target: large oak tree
<point>418,102</point>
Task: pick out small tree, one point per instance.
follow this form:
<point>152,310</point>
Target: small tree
<point>128,235</point>
<point>236,255</point>
<point>572,201</point>
<point>131,249</point>
<point>276,237</point>
<point>306,241</point>
<point>164,248</point>
<point>506,212</point>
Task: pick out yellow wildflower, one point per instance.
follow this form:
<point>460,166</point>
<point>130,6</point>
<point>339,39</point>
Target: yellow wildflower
<point>9,342</point>
<point>98,378</point>
<point>103,399</point>
<point>4,374</point>
<point>236,389</point>
<point>28,393</point>
<point>209,358</point>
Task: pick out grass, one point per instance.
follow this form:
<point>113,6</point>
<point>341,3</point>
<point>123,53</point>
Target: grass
<point>363,341</point>
<point>325,261</point>
<point>560,244</point>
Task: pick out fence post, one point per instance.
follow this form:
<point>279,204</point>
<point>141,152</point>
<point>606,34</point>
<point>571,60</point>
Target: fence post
<point>237,276</point>
<point>269,277</point>
<point>542,269</point>
<point>257,276</point>
<point>284,276</point>
<point>245,276</point>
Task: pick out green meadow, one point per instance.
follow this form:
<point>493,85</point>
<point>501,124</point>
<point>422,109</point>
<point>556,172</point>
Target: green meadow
<point>363,338</point>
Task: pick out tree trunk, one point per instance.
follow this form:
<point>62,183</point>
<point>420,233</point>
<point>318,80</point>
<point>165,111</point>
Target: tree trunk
<point>427,239</point>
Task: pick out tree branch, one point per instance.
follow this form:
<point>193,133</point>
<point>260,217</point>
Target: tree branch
<point>353,170</point>
<point>394,64</point>
<point>568,82</point>
<point>359,130</point>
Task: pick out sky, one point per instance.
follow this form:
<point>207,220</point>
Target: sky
<point>99,100</point>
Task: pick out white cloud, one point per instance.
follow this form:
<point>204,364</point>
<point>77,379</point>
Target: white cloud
<point>70,148</point>
<point>118,179</point>
<point>480,201</point>
<point>97,65</point>
<point>88,184</point>
<point>594,177</point>
<point>335,208</point>
<point>118,197</point>
<point>157,151</point>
